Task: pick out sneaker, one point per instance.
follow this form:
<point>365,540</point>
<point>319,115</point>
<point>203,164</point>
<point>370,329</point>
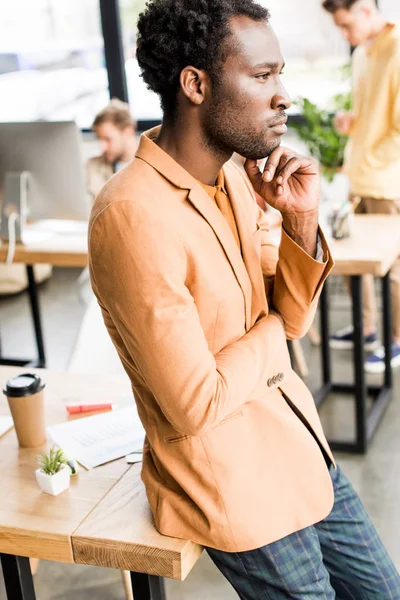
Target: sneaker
<point>376,362</point>
<point>344,340</point>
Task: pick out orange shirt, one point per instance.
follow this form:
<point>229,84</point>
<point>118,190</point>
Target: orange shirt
<point>220,196</point>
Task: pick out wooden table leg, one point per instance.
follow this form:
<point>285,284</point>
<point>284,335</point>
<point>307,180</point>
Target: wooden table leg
<point>299,359</point>
<point>34,562</point>
<point>126,579</point>
<point>314,336</point>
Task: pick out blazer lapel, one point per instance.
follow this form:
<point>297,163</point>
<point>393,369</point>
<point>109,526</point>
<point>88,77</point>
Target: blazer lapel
<point>237,190</point>
<point>171,170</point>
<point>211,213</point>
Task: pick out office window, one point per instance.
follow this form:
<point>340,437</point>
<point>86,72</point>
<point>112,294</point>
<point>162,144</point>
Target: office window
<point>51,61</point>
<point>313,48</point>
<point>144,104</point>
<point>390,9</point>
<point>315,53</point>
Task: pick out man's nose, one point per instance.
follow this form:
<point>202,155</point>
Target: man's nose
<point>281,101</point>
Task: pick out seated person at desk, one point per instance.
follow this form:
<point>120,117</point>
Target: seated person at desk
<point>199,304</point>
<point>373,153</point>
<point>115,129</point>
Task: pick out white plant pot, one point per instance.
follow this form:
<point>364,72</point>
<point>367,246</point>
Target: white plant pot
<point>54,484</point>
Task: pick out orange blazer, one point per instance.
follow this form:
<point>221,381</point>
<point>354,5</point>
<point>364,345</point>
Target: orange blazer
<point>232,455</point>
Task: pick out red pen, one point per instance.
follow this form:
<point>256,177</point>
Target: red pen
<point>76,407</point>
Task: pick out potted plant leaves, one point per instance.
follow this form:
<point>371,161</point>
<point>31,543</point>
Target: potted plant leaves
<point>316,129</point>
<point>54,473</point>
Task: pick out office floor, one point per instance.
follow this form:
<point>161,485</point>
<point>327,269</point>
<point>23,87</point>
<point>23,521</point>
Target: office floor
<point>376,476</point>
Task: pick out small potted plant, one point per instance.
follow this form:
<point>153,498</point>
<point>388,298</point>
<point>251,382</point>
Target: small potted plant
<point>54,473</point>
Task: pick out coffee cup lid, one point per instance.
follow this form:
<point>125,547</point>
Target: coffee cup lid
<point>23,385</point>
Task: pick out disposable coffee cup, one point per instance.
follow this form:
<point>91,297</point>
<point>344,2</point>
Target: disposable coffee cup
<point>26,400</point>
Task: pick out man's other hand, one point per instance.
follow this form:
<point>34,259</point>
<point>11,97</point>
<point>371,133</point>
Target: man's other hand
<point>343,122</point>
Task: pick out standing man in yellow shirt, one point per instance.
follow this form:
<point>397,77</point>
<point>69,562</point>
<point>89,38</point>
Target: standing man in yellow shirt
<point>373,153</point>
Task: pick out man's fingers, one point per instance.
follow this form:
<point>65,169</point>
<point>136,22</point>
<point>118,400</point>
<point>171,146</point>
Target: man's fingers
<point>272,164</point>
<point>281,164</point>
<point>252,170</point>
<point>292,165</point>
<point>269,171</point>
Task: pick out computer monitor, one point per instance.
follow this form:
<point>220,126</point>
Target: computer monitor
<point>50,154</point>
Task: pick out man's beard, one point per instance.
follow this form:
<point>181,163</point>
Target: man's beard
<point>226,131</point>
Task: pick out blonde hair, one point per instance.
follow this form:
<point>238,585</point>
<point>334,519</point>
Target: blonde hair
<point>117,113</point>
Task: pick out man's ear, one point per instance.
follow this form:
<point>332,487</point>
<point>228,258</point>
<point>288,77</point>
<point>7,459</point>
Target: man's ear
<point>366,7</point>
<point>129,130</point>
<point>194,83</point>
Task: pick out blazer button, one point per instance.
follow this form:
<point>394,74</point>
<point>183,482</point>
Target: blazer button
<point>269,383</point>
<point>275,379</point>
<point>281,376</point>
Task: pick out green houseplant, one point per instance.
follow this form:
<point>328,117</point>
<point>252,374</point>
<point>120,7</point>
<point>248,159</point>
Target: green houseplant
<point>54,473</point>
<point>317,131</point>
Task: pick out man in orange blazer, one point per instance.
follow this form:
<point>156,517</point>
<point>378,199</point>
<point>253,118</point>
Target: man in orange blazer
<point>199,304</point>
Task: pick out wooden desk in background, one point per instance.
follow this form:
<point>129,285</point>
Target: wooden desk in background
<point>372,249</point>
<point>103,519</point>
<point>59,251</point>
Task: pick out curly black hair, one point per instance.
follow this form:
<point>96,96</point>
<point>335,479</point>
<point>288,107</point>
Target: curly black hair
<point>173,34</point>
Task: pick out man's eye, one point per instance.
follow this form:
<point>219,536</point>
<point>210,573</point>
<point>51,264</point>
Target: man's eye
<point>263,76</point>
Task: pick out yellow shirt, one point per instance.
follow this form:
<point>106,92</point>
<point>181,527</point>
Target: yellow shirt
<point>220,196</point>
<point>373,153</point>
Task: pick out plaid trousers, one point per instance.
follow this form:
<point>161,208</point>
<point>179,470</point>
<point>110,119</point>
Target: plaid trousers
<point>341,557</point>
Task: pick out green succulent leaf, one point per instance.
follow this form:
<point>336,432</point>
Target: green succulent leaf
<point>52,462</point>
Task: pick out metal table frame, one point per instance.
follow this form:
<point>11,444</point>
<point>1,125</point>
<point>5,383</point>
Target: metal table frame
<point>40,361</point>
<point>366,422</point>
<point>19,581</point>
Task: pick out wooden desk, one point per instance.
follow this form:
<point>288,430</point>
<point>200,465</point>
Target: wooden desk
<point>372,249</point>
<point>59,251</point>
<point>103,519</point>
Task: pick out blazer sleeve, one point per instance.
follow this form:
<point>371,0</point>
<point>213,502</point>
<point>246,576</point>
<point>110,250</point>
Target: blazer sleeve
<point>293,279</point>
<point>138,274</point>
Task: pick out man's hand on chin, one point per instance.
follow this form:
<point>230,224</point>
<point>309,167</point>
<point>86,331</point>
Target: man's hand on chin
<point>290,183</point>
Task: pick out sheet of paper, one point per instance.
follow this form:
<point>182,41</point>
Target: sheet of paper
<point>95,440</point>
<point>6,423</point>
<point>136,457</point>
